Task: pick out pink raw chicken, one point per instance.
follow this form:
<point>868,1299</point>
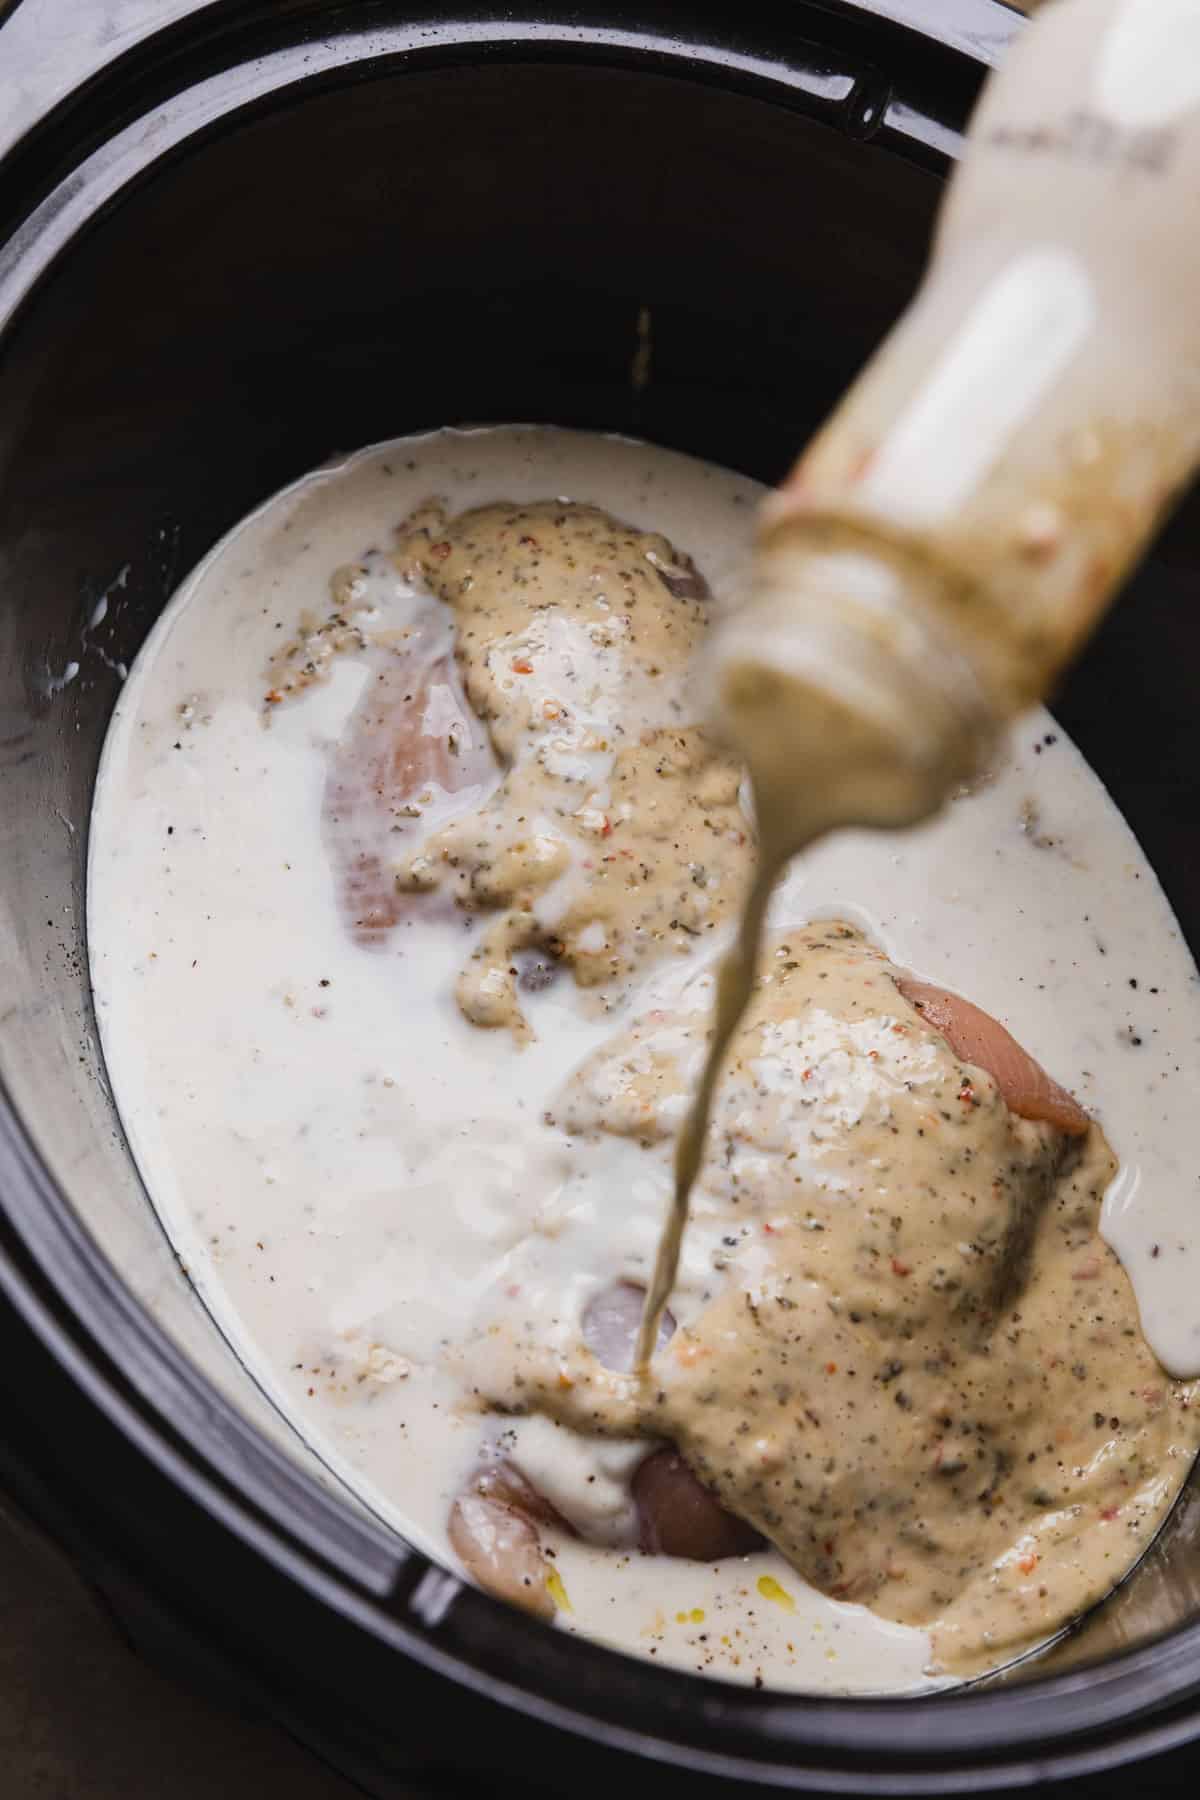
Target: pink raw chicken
<point>978,1038</point>
<point>412,741</point>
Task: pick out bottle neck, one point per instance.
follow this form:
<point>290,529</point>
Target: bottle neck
<point>955,532</point>
<point>844,684</point>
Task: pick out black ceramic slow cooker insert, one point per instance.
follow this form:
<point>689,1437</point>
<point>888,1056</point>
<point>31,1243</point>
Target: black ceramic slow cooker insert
<point>267,233</point>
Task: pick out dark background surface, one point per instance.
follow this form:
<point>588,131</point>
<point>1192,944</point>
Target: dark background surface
<point>83,1718</point>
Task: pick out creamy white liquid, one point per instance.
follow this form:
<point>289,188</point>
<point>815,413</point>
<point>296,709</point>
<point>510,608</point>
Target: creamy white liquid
<point>347,1167</point>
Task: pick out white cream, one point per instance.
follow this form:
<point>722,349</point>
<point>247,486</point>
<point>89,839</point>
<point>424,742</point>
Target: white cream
<point>348,1169</point>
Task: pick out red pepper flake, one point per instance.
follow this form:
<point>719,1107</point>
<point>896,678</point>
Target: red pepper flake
<point>522,665</point>
<point>1028,1564</point>
<point>1087,1271</point>
<point>1109,1513</point>
<point>441,551</point>
<point>900,1268</point>
<point>831,1368</point>
<point>768,1228</point>
<point>807,1075</point>
<point>530,543</point>
<point>966,1094</point>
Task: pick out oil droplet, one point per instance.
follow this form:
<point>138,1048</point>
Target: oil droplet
<point>697,1615</point>
<point>557,1592</point>
<point>770,1589</point>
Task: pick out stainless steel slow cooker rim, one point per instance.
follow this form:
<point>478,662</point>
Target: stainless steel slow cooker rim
<point>1139,1694</point>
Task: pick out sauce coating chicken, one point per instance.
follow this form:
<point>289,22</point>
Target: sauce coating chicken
<point>917,1368</point>
<point>615,832</point>
<point>526,747</point>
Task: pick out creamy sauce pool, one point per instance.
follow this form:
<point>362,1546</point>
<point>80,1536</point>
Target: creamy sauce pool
<point>348,1167</point>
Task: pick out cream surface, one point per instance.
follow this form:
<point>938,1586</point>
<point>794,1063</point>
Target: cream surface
<point>348,1167</point>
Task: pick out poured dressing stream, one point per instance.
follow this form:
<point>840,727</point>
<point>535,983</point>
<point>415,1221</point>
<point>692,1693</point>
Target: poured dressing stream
<point>814,768</point>
<point>734,988</point>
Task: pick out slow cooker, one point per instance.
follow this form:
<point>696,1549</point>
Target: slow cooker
<point>272,230</point>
